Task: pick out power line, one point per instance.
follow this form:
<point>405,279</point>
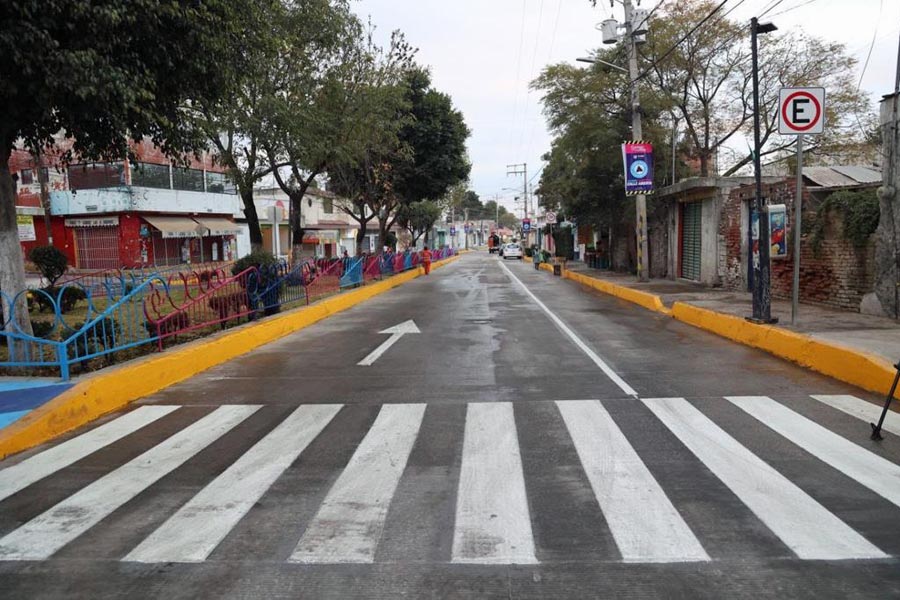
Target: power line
<point>680,41</point>
<point>549,58</point>
<point>871,46</point>
<point>787,10</point>
<point>518,74</point>
<point>531,75</point>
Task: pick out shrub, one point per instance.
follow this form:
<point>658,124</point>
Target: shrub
<point>257,258</point>
<point>860,213</point>
<point>529,252</point>
<point>50,261</point>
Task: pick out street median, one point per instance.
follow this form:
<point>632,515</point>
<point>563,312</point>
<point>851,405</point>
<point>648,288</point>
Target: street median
<point>109,390</point>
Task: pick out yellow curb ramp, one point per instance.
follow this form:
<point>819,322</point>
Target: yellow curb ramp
<point>851,366</point>
<point>112,388</point>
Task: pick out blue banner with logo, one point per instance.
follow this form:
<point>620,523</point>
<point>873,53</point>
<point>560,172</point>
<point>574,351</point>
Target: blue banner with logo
<point>638,158</point>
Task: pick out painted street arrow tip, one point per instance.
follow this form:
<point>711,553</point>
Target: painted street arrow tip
<point>403,328</point>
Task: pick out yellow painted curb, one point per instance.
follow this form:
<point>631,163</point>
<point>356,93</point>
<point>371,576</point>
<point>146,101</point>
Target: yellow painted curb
<point>644,299</point>
<point>110,389</point>
<point>851,366</point>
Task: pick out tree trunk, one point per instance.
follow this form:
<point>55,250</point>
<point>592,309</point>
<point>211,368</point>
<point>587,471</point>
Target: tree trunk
<point>12,265</point>
<point>256,240</point>
<point>360,237</point>
<point>297,230</point>
<point>704,163</point>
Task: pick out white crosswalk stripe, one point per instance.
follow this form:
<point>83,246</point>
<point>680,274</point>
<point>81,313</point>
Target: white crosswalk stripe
<point>35,468</point>
<point>493,524</point>
<point>348,525</point>
<point>493,520</point>
<point>803,524</point>
<point>876,473</point>
<point>45,534</point>
<point>865,411</point>
<point>192,533</point>
<point>645,525</point>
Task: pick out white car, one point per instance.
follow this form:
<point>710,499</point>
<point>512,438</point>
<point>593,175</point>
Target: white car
<point>512,251</point>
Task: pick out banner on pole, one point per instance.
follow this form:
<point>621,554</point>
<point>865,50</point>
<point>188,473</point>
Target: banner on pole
<point>638,159</point>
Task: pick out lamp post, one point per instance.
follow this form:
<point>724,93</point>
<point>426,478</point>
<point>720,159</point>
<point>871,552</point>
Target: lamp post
<point>762,301</point>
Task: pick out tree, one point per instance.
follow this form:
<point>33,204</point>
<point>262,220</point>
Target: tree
<point>707,80</point>
<point>102,72</point>
<point>318,115</point>
<point>419,217</point>
<point>236,123</point>
<point>361,173</point>
<point>509,221</point>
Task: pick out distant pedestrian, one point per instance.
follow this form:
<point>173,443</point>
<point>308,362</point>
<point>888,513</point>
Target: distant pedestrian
<point>426,260</point>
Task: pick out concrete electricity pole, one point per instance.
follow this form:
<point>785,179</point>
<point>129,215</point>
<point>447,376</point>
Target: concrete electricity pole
<point>521,169</point>
<point>643,255</point>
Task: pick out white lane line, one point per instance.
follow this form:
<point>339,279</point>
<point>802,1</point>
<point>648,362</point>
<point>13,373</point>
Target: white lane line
<point>643,521</point>
<point>23,474</point>
<point>41,537</point>
<point>192,533</point>
<point>804,525</point>
<point>876,473</point>
<point>493,525</point>
<point>574,337</point>
<point>865,411</point>
<point>349,523</point>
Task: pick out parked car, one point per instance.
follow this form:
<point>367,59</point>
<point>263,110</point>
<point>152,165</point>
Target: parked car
<point>512,251</point>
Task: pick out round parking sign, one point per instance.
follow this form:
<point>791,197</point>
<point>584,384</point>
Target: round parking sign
<point>801,111</point>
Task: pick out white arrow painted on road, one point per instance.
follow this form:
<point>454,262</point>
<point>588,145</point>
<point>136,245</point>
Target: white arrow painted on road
<point>397,332</point>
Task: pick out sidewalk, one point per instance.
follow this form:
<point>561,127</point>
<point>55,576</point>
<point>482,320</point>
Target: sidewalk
<point>857,349</point>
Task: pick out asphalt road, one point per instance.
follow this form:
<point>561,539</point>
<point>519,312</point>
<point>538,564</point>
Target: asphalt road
<point>533,440</point>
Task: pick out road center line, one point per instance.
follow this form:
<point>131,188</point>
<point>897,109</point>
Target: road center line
<point>574,337</point>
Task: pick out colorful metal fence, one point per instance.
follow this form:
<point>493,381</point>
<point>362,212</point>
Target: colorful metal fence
<point>101,318</point>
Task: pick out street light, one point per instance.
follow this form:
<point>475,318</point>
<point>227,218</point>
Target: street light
<point>596,61</point>
<point>762,301</point>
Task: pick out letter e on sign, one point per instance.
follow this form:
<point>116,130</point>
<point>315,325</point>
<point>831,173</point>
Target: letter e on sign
<point>801,111</point>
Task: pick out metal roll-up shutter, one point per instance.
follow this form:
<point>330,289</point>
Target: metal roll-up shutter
<point>691,220</point>
<point>97,247</point>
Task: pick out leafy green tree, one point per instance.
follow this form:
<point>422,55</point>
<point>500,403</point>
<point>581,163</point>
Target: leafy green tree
<point>419,217</point>
<point>102,72</point>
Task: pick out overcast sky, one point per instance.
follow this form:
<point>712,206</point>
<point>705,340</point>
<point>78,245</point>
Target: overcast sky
<point>484,52</point>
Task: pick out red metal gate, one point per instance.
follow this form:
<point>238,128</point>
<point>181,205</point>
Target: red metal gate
<point>97,247</point>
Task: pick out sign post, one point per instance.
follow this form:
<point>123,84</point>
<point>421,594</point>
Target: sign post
<point>801,111</point>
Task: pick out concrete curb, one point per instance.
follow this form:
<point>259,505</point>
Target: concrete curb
<point>110,389</point>
<point>866,371</point>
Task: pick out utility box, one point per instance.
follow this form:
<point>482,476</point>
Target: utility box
<point>609,30</point>
<point>640,21</point>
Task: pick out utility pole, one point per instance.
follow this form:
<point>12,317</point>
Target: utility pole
<point>643,258</point>
<point>521,169</point>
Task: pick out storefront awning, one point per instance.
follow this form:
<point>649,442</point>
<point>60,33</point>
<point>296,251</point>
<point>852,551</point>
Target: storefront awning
<point>218,226</point>
<point>175,227</point>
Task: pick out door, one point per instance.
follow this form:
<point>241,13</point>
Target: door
<point>691,220</point>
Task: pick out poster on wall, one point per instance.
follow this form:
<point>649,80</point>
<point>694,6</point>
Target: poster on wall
<point>777,230</point>
<point>638,159</point>
<point>25,225</point>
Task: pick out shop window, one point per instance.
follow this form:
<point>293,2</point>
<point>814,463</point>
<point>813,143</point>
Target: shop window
<point>91,176</point>
<point>150,175</point>
<point>328,206</point>
<point>189,180</point>
<point>219,183</point>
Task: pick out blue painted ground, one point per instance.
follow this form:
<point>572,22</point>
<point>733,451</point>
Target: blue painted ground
<point>19,397</point>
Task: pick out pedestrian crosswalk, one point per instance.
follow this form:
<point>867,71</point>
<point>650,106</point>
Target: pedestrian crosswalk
<point>493,517</point>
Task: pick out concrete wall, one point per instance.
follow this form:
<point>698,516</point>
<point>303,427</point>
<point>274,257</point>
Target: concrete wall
<point>127,198</point>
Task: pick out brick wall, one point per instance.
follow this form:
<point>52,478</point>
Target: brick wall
<point>838,275</point>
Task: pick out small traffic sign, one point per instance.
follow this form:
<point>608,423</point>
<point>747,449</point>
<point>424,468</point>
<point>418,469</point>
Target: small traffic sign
<point>801,111</point>
<point>550,217</point>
